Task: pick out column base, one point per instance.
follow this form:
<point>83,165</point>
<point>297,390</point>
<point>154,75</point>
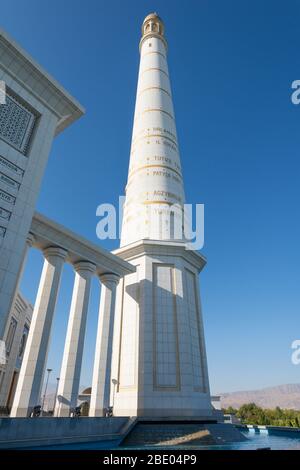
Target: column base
<point>62,413</point>
<point>99,413</point>
<point>19,413</point>
<point>165,413</point>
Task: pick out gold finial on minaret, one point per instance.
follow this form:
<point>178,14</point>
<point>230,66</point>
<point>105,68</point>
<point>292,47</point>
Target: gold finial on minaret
<point>153,26</point>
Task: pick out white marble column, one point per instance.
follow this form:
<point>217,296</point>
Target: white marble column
<point>101,383</point>
<point>31,376</point>
<point>72,359</point>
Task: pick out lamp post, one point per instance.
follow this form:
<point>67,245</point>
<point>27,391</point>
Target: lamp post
<point>115,382</point>
<point>55,396</point>
<point>46,386</point>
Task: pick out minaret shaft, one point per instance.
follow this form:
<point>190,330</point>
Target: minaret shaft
<point>154,183</point>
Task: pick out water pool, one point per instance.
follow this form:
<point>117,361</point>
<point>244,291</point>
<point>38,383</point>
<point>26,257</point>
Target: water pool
<point>254,441</point>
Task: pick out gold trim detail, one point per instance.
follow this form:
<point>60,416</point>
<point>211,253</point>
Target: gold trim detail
<point>154,109</point>
<point>154,52</point>
<point>155,88</point>
<point>154,68</point>
<point>159,202</point>
<point>150,35</point>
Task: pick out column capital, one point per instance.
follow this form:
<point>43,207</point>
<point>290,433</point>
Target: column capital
<point>109,277</point>
<point>84,266</point>
<point>30,240</point>
<point>55,251</point>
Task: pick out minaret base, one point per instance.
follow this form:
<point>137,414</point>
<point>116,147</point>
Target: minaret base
<point>159,362</point>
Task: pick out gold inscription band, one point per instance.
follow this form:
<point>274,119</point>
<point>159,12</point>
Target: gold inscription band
<point>160,202</point>
<point>153,166</point>
<point>154,135</point>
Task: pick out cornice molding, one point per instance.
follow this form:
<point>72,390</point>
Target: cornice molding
<point>161,248</point>
<point>31,76</point>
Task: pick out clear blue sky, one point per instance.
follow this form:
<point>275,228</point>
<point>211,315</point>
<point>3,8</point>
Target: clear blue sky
<point>231,65</point>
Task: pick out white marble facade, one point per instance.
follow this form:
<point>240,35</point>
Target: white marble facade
<point>16,334</point>
<point>154,187</point>
<point>159,357</point>
<point>37,108</point>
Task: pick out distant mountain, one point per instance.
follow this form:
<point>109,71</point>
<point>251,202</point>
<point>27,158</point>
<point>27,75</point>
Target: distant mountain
<point>285,396</point>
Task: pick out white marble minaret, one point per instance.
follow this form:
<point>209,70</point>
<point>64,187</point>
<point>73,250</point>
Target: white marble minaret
<point>159,365</point>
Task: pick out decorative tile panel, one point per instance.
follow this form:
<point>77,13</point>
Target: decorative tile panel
<point>7,165</point>
<point>9,181</point>
<point>7,197</point>
<point>4,214</point>
<point>16,123</point>
<point>166,361</point>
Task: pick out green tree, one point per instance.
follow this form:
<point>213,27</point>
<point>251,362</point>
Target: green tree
<point>250,413</point>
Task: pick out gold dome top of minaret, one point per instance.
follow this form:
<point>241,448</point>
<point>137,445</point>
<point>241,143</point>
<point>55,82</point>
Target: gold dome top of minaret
<point>153,26</point>
<point>153,15</point>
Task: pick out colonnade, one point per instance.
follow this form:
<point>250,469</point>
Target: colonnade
<point>31,377</point>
